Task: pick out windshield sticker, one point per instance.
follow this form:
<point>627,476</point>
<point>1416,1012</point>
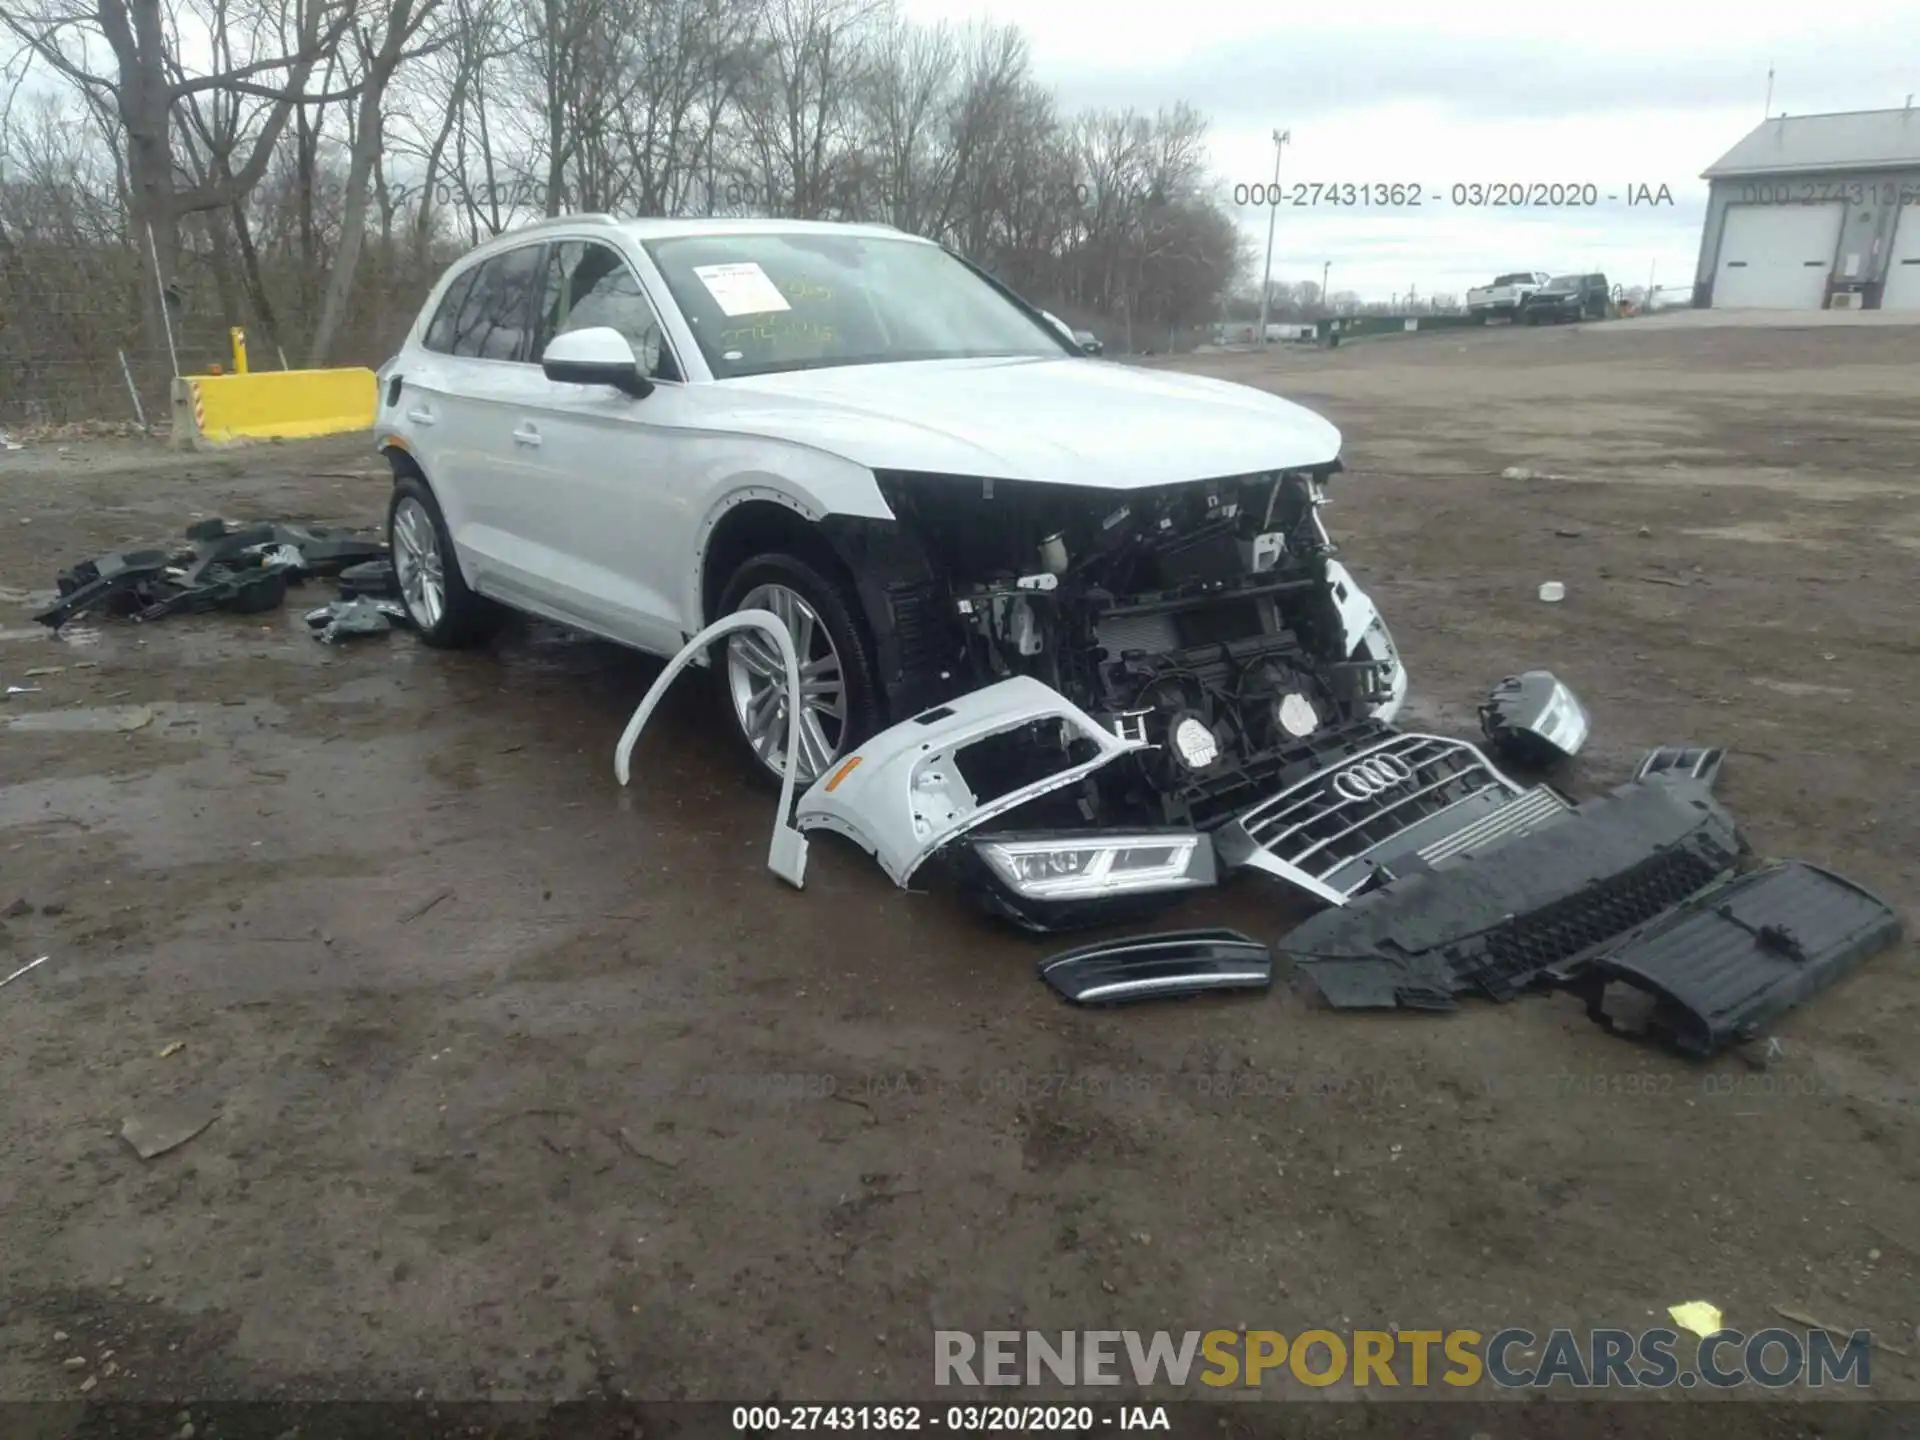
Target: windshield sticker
<point>742,289</point>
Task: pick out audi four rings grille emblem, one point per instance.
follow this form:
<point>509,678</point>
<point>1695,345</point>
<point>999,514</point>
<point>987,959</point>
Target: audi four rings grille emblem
<point>1372,776</point>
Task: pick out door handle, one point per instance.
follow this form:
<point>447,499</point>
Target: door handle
<point>526,435</point>
<point>420,415</point>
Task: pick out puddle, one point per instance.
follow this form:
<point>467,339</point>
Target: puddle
<point>103,718</point>
<point>1799,687</point>
<point>1755,533</point>
<point>373,690</point>
<point>32,632</point>
<point>175,721</point>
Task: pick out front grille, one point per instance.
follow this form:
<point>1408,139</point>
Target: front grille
<point>1516,951</point>
<point>1438,797</point>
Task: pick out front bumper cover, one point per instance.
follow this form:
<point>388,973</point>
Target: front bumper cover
<point>904,794</point>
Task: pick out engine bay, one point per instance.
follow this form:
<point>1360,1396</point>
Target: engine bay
<point>1203,619</point>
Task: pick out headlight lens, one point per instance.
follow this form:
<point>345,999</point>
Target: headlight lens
<point>1072,866</point>
<point>1535,716</point>
<point>1563,724</point>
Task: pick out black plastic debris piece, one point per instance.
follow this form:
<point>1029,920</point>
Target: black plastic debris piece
<point>239,591</point>
<point>1532,908</point>
<point>328,550</point>
<point>1158,967</point>
<point>242,569</point>
<point>1535,719</point>
<point>354,619</point>
<point>1718,969</point>
<point>112,583</point>
<point>373,578</point>
<point>1695,762</point>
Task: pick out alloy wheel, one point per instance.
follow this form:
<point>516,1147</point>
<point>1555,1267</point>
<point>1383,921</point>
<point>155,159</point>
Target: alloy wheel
<point>757,685</point>
<point>417,563</point>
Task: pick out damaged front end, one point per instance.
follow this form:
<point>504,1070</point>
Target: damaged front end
<point>1019,757</point>
<point>1103,677</point>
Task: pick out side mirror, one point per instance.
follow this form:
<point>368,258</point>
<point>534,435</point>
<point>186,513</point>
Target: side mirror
<point>596,356</point>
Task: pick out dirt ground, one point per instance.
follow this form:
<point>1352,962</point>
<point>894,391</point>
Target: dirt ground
<point>529,1086</point>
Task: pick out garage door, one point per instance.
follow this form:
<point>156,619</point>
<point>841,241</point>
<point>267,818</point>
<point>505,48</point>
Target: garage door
<point>1902,290</point>
<point>1776,257</point>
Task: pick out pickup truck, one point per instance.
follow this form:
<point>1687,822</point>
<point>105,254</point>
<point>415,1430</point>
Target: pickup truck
<point>1567,297</point>
<point>1507,293</point>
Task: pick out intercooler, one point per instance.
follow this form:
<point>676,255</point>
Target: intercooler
<point>1156,634</point>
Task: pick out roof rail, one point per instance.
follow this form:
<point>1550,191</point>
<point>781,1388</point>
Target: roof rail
<point>584,217</point>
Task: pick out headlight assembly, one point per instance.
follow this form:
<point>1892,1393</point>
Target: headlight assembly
<point>1089,865</point>
<point>1535,718</point>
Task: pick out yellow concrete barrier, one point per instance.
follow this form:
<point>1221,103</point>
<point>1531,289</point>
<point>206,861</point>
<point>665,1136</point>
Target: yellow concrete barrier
<point>268,404</point>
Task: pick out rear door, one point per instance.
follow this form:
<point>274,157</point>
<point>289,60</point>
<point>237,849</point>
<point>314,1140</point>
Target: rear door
<point>615,473</point>
<point>477,468</point>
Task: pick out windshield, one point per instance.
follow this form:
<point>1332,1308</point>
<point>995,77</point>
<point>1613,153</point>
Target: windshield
<point>1564,282</point>
<point>763,303</point>
<point>1521,279</point>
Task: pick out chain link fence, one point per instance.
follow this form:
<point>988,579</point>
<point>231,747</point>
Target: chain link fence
<point>74,348</point>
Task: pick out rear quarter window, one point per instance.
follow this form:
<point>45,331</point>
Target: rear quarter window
<point>495,317</point>
<point>440,330</point>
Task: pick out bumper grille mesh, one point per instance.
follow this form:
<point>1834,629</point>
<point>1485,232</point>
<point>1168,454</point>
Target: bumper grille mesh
<point>1521,948</point>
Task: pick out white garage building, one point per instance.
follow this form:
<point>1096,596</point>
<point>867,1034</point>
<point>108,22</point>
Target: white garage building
<point>1814,212</point>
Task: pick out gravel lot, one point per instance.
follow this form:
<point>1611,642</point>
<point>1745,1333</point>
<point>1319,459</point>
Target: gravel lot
<point>522,1078</point>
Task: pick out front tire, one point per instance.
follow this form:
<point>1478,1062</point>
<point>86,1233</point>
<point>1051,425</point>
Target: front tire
<point>838,689</point>
<point>427,571</point>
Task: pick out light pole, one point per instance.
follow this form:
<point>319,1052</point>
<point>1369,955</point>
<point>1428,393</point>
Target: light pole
<point>1326,305</point>
<point>1280,138</point>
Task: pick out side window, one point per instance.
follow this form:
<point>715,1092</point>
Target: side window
<point>440,330</point>
<point>493,319</point>
<point>588,285</point>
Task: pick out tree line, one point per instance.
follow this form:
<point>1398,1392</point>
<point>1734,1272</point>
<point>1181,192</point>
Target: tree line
<point>306,167</point>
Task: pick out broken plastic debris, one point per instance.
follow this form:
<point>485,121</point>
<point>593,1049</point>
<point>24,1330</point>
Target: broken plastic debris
<point>1700,1316</point>
<point>23,690</point>
<point>349,619</point>
<point>1553,591</point>
<point>787,854</point>
<point>166,1127</point>
<point>30,965</point>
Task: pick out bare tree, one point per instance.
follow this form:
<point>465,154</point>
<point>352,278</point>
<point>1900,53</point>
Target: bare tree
<point>149,80</point>
<point>404,22</point>
<point>800,101</point>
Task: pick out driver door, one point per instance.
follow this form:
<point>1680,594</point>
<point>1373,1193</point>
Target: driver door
<point>612,468</point>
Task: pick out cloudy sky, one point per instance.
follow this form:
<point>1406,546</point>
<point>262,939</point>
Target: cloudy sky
<point>1614,95</point>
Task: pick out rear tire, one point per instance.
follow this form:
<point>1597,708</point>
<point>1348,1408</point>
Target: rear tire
<point>426,570</point>
<point>837,681</point>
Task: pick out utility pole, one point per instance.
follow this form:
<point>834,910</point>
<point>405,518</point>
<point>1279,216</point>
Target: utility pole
<point>1325,304</point>
<point>1280,138</point>
<point>1769,108</point>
